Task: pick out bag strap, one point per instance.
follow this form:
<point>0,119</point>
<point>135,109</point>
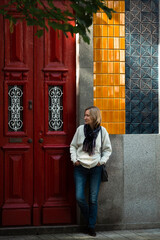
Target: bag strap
<point>101,141</point>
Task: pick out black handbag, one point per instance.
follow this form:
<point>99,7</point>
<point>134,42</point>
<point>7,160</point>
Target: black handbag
<point>104,174</point>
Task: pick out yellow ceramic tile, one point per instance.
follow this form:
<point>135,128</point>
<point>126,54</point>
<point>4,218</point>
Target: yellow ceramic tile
<point>97,55</point>
<point>122,116</point>
<point>105,67</point>
<point>117,43</point>
<point>97,42</point>
<point>104,55</point>
<point>122,31</point>
<point>116,31</point>
<point>122,43</point>
<point>112,127</point>
<point>122,55</point>
<point>110,79</point>
<point>98,92</point>
<point>104,30</point>
<point>104,42</point>
<point>110,31</point>
<point>122,6</point>
<point>105,92</point>
<point>110,4</point>
<point>116,79</point>
<point>97,30</point>
<point>116,91</point>
<point>94,92</point>
<point>116,55</point>
<point>110,67</point>
<point>110,43</point>
<point>116,67</point>
<point>105,125</point>
<point>94,55</point>
<point>117,6</point>
<point>94,80</point>
<point>116,18</point>
<point>105,79</point>
<point>122,18</point>
<point>115,116</point>
<point>122,103</point>
<point>122,67</point>
<point>98,18</point>
<point>121,128</point>
<point>99,79</point>
<point>105,103</point>
<point>104,18</point>
<point>116,103</point>
<point>110,55</point>
<point>97,67</point>
<point>110,90</point>
<point>104,116</point>
<point>99,102</point>
<point>110,103</point>
<point>122,79</point>
<point>109,116</point>
<point>122,92</point>
<point>94,102</point>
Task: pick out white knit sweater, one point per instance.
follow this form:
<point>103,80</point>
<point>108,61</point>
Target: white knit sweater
<point>77,154</point>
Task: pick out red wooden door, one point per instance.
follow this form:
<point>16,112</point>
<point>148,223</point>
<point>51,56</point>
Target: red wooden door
<point>37,122</point>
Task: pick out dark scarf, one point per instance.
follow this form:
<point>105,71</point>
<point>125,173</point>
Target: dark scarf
<point>90,139</point>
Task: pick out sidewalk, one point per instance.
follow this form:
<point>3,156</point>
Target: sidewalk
<point>147,234</point>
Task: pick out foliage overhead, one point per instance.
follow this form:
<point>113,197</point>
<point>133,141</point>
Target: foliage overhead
<point>46,13</point>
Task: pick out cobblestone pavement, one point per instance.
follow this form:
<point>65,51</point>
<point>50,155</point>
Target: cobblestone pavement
<point>149,234</point>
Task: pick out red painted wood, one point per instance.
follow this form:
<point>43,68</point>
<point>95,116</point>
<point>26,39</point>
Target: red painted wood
<point>36,184</point>
<point>16,159</point>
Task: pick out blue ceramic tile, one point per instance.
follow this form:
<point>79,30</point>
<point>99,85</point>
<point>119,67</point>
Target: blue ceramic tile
<point>127,5</point>
<point>135,39</point>
<point>135,128</point>
<point>135,5</point>
<point>128,116</point>
<point>146,39</point>
<point>142,39</point>
<point>135,84</point>
<point>146,128</point>
<point>145,5</point>
<point>146,83</point>
<point>146,17</point>
<point>154,84</point>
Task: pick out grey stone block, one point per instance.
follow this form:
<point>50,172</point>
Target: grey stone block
<point>86,52</point>
<point>140,197</point>
<point>110,210</point>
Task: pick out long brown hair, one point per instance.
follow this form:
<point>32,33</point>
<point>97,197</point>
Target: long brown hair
<point>95,115</point>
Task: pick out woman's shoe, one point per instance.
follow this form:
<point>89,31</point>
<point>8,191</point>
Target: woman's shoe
<point>91,232</point>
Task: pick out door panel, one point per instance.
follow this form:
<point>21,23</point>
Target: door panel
<point>55,77</point>
<point>37,123</point>
<point>16,121</point>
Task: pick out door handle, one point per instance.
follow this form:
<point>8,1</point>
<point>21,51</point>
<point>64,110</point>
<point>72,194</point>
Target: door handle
<point>30,104</point>
<point>29,140</point>
<point>41,140</point>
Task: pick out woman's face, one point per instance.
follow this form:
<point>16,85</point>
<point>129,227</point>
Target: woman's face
<point>87,118</point>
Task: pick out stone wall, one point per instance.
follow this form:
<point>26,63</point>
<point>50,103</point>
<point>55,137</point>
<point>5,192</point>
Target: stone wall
<point>131,198</point>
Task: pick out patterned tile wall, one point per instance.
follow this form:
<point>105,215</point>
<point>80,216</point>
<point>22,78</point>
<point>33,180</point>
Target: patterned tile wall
<point>141,87</point>
<point>109,66</point>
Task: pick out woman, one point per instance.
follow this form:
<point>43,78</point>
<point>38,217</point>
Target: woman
<point>85,152</point>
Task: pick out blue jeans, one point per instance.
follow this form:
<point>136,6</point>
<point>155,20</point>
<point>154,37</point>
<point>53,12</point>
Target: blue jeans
<point>81,175</point>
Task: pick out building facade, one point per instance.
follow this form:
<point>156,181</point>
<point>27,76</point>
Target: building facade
<point>46,84</point>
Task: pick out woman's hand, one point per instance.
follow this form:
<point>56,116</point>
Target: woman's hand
<point>98,164</point>
<point>77,163</point>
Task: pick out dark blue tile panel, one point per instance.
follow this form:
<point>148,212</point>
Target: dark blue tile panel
<point>142,17</point>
